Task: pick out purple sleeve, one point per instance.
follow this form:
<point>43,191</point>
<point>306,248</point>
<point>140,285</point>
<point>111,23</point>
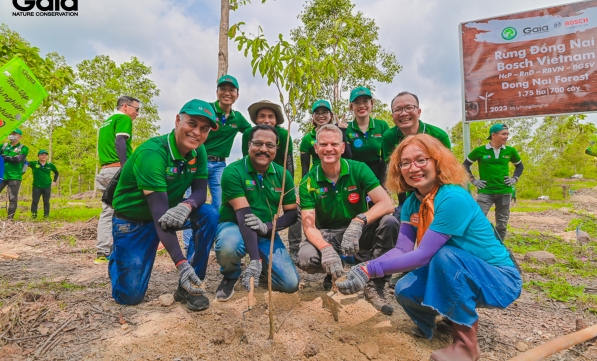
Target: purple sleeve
<point>199,193</point>
<point>430,244</point>
<point>158,206</point>
<point>249,235</point>
<point>287,220</point>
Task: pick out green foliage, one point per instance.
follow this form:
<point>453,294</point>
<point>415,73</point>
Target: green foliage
<point>523,205</point>
<point>587,223</point>
<point>559,289</point>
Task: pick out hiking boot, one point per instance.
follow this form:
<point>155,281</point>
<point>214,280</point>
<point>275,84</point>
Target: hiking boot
<point>225,289</point>
<point>194,302</point>
<point>376,296</point>
<point>395,278</point>
<point>101,259</point>
<point>327,282</point>
<point>464,347</point>
<point>445,326</point>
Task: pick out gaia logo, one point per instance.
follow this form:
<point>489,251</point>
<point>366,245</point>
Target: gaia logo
<point>509,33</point>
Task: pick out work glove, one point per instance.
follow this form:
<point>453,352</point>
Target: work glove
<point>350,240</point>
<point>330,261</point>
<point>356,280</point>
<point>480,184</point>
<point>510,181</point>
<point>175,216</point>
<point>253,222</point>
<point>189,280</point>
<point>254,270</point>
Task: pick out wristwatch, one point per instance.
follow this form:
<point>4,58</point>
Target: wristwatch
<point>363,218</point>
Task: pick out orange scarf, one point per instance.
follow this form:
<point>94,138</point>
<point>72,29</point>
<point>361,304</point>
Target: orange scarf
<point>426,214</point>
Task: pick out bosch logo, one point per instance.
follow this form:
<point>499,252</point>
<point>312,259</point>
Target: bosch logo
<point>576,22</point>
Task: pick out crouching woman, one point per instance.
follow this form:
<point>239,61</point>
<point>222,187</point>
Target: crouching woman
<point>457,262</point>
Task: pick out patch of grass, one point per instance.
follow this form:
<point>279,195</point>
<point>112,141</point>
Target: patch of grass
<point>559,289</point>
<point>587,223</point>
<point>50,285</point>
<point>529,205</point>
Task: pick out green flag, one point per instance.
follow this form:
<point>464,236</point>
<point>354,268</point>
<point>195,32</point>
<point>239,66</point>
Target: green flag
<point>20,95</point>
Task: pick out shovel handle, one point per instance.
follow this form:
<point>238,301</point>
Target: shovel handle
<point>251,296</point>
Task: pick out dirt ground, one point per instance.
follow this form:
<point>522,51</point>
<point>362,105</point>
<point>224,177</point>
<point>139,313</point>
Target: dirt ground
<point>57,305</point>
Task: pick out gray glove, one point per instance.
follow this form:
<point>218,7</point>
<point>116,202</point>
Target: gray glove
<point>350,240</point>
<point>254,270</point>
<point>175,216</point>
<point>480,184</point>
<point>189,280</point>
<point>330,261</point>
<point>356,280</point>
<point>510,181</point>
<point>253,222</point>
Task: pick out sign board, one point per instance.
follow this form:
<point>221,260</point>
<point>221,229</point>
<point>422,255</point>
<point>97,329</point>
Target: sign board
<point>20,95</point>
<point>534,63</point>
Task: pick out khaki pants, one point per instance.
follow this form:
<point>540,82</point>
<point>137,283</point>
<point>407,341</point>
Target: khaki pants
<point>104,225</point>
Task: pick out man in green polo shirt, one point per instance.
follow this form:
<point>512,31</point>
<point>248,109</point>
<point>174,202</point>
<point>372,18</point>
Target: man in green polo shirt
<point>494,183</point>
<point>336,217</point>
<point>15,155</point>
<point>42,182</point>
<point>114,148</point>
<point>365,133</point>
<point>251,198</point>
<point>149,207</point>
<point>219,142</point>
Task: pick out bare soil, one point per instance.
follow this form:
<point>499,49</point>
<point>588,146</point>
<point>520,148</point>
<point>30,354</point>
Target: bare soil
<point>56,305</point>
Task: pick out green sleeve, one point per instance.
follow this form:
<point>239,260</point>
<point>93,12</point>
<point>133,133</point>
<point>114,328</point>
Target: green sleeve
<point>54,168</point>
<point>307,194</point>
<point>234,185</point>
<point>473,155</point>
<point>243,125</point>
<point>289,194</point>
<point>25,150</point>
<point>201,160</point>
<point>368,179</point>
<point>124,125</point>
<point>388,144</point>
<point>245,142</point>
<point>305,144</point>
<point>149,171</point>
<point>446,141</point>
<point>515,158</point>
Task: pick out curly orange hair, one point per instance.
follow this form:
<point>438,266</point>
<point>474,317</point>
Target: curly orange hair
<point>449,169</point>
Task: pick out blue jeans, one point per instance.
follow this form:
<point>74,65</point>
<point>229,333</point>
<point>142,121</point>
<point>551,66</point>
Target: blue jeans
<point>135,246</point>
<point>230,249</point>
<point>454,284</point>
<point>215,170</point>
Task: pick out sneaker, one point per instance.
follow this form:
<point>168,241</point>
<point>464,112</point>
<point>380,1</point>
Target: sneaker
<point>377,297</point>
<point>327,282</point>
<point>194,302</point>
<point>101,259</point>
<point>225,289</point>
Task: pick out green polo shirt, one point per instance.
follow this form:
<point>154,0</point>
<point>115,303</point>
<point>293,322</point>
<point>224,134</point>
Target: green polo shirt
<point>14,171</point>
<point>263,192</point>
<point>282,134</point>
<point>219,141</point>
<point>41,174</point>
<point>157,165</point>
<point>308,147</point>
<point>118,124</point>
<point>336,204</point>
<point>492,168</point>
<point>392,137</point>
<point>366,147</point>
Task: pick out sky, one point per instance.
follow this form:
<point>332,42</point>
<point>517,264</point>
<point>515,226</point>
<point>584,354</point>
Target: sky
<point>178,39</point>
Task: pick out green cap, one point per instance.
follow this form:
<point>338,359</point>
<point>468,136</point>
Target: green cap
<point>357,92</point>
<point>18,131</point>
<point>321,103</point>
<point>42,151</point>
<point>496,128</point>
<point>200,107</point>
<point>228,79</point>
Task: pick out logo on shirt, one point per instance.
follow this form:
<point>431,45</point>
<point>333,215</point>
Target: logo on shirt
<point>232,125</point>
<point>193,170</point>
<point>358,143</point>
<point>277,190</point>
<point>415,219</point>
<point>351,188</point>
<point>487,157</point>
<point>506,156</point>
<point>171,171</point>
<point>192,161</point>
<point>354,198</point>
<point>376,135</point>
<point>353,135</point>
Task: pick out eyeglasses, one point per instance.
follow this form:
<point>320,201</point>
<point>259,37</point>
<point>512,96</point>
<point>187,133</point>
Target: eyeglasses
<point>408,109</point>
<point>226,90</point>
<point>420,163</point>
<point>322,113</point>
<point>136,108</point>
<point>258,144</point>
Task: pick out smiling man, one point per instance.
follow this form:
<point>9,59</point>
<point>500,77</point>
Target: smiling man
<point>251,197</point>
<point>336,219</point>
<point>15,155</point>
<point>494,183</point>
<point>149,208</point>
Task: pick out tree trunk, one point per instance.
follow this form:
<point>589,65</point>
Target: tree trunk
<point>96,163</point>
<point>51,132</point>
<point>80,183</point>
<point>223,47</point>
<point>70,186</point>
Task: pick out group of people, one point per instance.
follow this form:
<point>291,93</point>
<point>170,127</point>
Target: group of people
<point>13,164</point>
<point>452,259</point>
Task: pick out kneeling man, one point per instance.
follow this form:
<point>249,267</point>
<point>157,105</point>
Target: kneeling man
<point>149,207</point>
<point>251,191</point>
<point>336,218</point>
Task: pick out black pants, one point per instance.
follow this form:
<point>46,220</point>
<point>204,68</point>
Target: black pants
<point>13,195</point>
<point>37,192</point>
